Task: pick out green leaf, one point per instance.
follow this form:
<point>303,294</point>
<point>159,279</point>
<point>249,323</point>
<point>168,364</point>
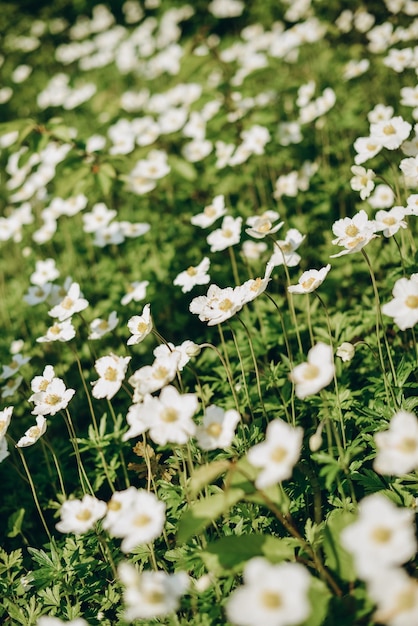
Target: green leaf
<point>15,523</point>
<point>200,514</point>
<point>336,558</point>
<point>205,474</point>
<point>319,597</point>
<point>182,167</point>
<point>231,553</point>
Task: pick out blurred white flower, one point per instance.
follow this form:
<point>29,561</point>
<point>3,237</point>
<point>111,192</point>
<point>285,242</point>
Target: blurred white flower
<point>218,428</point>
<point>100,327</point>
<point>316,373</point>
<point>194,275</point>
<point>310,280</point>
<point>404,306</point>
<point>397,447</point>
<point>79,516</point>
<point>211,213</point>
<point>32,435</point>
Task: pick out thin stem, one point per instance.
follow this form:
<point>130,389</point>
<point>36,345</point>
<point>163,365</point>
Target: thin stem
<point>227,370</point>
<point>34,494</point>
<point>257,373</point>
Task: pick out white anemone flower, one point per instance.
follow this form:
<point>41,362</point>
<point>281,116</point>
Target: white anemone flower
<point>194,275</point>
<point>210,213</point>
<point>150,594</point>
<point>140,326</point>
<point>285,250</point>
<point>277,454</point>
<point>72,303</point>
<point>316,373</point>
<point>396,596</point>
<point>218,305</point>
<point>112,370</point>
<point>272,595</point>
<point>100,327</point>
<point>310,280</point>
<point>382,537</point>
<point>404,306</point>
<point>390,133</point>
<point>228,235</point>
<point>52,398</point>
<point>397,447</point>
<point>79,516</point>
<point>34,433</point>
<point>218,428</point>
<point>261,226</point>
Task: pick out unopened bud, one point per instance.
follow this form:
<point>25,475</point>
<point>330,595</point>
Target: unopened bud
<point>346,351</point>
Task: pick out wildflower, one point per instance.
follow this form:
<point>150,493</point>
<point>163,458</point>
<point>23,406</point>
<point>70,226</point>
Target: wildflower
<point>11,386</point>
<point>262,226</point>
<point>53,397</point>
<point>390,221</point>
<point>150,378</point>
<point>253,287</point>
<point>366,148</point>
<point>60,331</point>
<point>72,303</point>
<point>150,594</point>
<point>217,306</point>
<point>396,596</point>
<point>217,429</point>
<point>397,447</point>
<point>135,515</point>
<point>136,292</point>
<point>409,168</point>
<point>4,453</point>
<point>79,516</point>
<point>226,8</point>
<point>345,351</point>
<point>390,133</point>
<point>47,620</point>
<point>272,595</point>
<point>14,366</point>
<point>316,373</point>
<point>40,383</point>
<point>210,213</point>
<point>362,181</point>
<point>253,250</point>
<point>100,327</point>
<point>32,435</point>
<point>412,205</point>
<point>228,235</point>
<point>277,454</point>
<point>382,197</point>
<point>382,537</point>
<point>45,272</point>
<point>194,275</point>
<point>5,417</point>
<point>185,352</point>
<point>112,370</point>
<point>285,250</point>
<point>353,233</point>
<point>404,306</point>
<point>37,294</point>
<point>99,217</point>
<point>140,326</point>
<point>310,280</point>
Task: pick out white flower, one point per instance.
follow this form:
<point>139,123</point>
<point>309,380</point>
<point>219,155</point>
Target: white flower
<point>310,280</point>
<point>185,350</point>
<point>150,594</point>
<point>254,287</point>
<point>366,148</point>
<point>60,331</point>
<point>390,133</point>
<point>285,250</point>
<point>5,417</point>
<point>397,447</point>
<point>396,596</point>
<point>261,226</point>
<point>362,181</point>
<point>218,305</point>
<point>112,370</point>
<point>390,221</point>
<point>53,397</point>
<point>228,235</point>
<point>79,516</point>
<point>14,366</point>
<point>140,326</point>
<point>345,351</point>
<point>353,233</point>
<point>100,327</point>
<point>218,428</point>
<point>272,595</point>
<point>40,383</point>
<point>135,515</point>
<point>99,217</point>
<point>409,168</point>
<point>45,272</point>
<point>72,303</point>
<point>172,415</point>
<point>226,8</point>
<point>404,306</point>
<point>47,620</point>
<point>4,453</point>
<point>32,435</point>
<point>382,197</point>
<point>210,213</point>
<point>316,373</point>
<point>11,386</point>
<point>382,537</point>
<point>136,291</point>
<point>253,249</point>
<point>194,275</point>
<point>278,454</point>
<point>150,378</point>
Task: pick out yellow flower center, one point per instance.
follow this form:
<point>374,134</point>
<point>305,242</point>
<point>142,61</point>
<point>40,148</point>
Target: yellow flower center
<point>412,302</point>
<point>408,445</point>
<point>33,432</point>
<point>161,372</point>
<point>310,372</point>
<point>67,303</point>
<point>142,520</point>
<point>141,327</point>
<point>256,284</point>
<point>227,233</point>
<point>263,226</point>
<point>371,147</point>
<point>154,597</point>
<point>169,415</point>
<point>278,454</point>
<point>114,505</point>
<point>407,600</point>
<point>55,329</point>
<point>382,534</point>
<point>84,515</point>
<point>389,130</point>
<point>192,271</point>
<point>352,230</point>
<point>226,305</point>
<point>271,599</point>
<point>390,221</point>
<point>52,399</point>
<point>43,385</point>
<point>209,211</point>
<point>104,325</point>
<point>307,284</point>
<point>111,374</point>
<point>214,429</point>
